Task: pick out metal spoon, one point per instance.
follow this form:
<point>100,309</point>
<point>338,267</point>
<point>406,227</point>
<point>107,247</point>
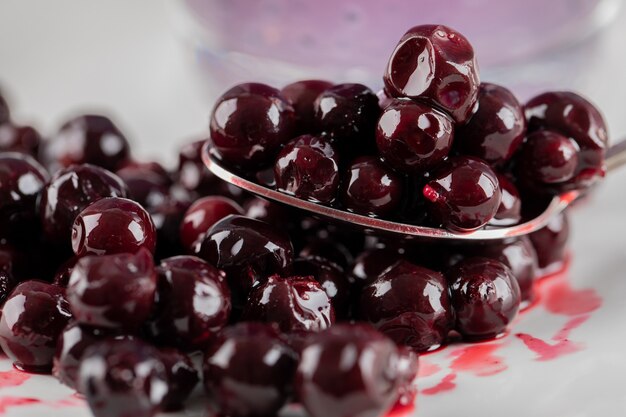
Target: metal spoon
<point>615,157</point>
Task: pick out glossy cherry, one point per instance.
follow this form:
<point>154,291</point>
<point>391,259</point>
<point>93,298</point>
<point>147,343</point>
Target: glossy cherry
<point>293,303</point>
<point>302,95</point>
<point>575,117</point>
<point>436,64</point>
<point>69,192</point>
<point>113,225</point>
<point>497,128</point>
<point>348,370</point>
<point>113,291</point>
<point>412,137</point>
<point>371,263</point>
<point>410,304</point>
<point>148,183</point>
<point>167,218</point>
<point>370,188</point>
<point>33,317</point>
<point>192,174</point>
<point>24,139</point>
<point>193,303</point>
<point>308,168</point>
<point>202,215</point>
<point>510,209</point>
<point>347,113</point>
<point>248,370</point>
<point>247,250</point>
<point>123,378</point>
<point>550,243</point>
<point>21,182</point>
<point>485,297</point>
<point>463,194</point>
<point>182,378</point>
<point>328,249</point>
<point>276,214</point>
<point>249,123</point>
<point>87,139</point>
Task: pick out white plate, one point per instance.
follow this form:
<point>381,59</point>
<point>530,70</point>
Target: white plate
<point>563,357</point>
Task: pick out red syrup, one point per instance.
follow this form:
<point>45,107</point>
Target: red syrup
<point>446,384</point>
<point>13,378</point>
<point>8,402</point>
<point>478,359</point>
<point>563,346</point>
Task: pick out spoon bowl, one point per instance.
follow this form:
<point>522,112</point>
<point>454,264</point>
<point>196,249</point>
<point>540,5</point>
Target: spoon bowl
<point>615,157</point>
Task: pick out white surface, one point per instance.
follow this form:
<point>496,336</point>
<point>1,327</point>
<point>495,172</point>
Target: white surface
<point>59,57</point>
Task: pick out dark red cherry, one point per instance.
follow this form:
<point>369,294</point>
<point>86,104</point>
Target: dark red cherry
<point>5,114</point>
<point>463,194</point>
<point>63,273</point>
<point>276,214</point>
<point>328,249</point>
<point>412,137</point>
<point>71,346</point>
<point>308,168</point>
<point>69,192</point>
<point>33,317</point>
<point>202,215</point>
<point>347,113</point>
<point>572,116</point>
<point>21,182</point>
<point>193,175</point>
<point>87,139</point>
<point>409,304</point>
<point>193,303</point>
<point>24,139</point>
<point>408,367</point>
<point>123,378</point>
<point>248,370</point>
<point>485,297</point>
<point>435,63</point>
<point>113,291</point>
<point>113,225</point>
<point>332,279</point>
<point>547,161</point>
<point>510,209</point>
<point>148,183</point>
<point>302,95</point>
<point>7,282</point>
<point>167,218</point>
<point>182,378</point>
<point>371,263</point>
<point>247,250</point>
<point>550,243</point>
<point>348,370</point>
<point>293,303</point>
<point>249,123</point>
<point>370,188</point>
<point>496,130</point>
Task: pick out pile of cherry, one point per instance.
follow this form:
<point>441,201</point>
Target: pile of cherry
<point>114,271</point>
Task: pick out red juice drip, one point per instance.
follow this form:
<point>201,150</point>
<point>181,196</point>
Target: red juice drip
<point>446,384</point>
<point>8,402</point>
<point>478,359</point>
<point>12,378</point>
<point>548,351</point>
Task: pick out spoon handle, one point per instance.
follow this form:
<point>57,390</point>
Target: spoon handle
<point>616,156</point>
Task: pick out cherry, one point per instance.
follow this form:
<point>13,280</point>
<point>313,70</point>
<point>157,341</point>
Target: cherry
<point>203,214</point>
<point>436,64</point>
<point>249,123</point>
<point>547,161</point>
<point>308,168</point>
<point>24,139</point>
<point>572,116</point>
<point>148,183</point>
<point>370,188</point>
<point>270,212</point>
<point>371,263</point>
<point>182,378</point>
<point>122,378</point>
<point>5,114</point>
<point>248,370</point>
<point>113,225</point>
<point>21,182</point>
<point>463,194</point>
<point>113,291</point>
<point>293,303</point>
<point>328,249</point>
<point>413,137</point>
<point>167,218</point>
<point>348,370</point>
<point>550,243</point>
<point>33,317</point>
<point>331,279</point>
<point>193,303</point>
<point>192,174</point>
<point>302,95</point>
<point>347,113</point>
<point>7,282</point>
<point>409,304</point>
<point>247,250</point>
<point>497,128</point>
<point>87,139</point>
<point>485,297</point>
<point>510,209</point>
<point>69,192</point>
